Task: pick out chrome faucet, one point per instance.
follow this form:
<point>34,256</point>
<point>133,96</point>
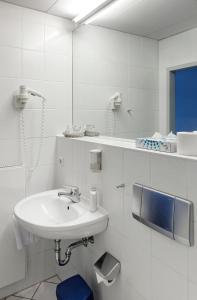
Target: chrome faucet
<point>73,195</point>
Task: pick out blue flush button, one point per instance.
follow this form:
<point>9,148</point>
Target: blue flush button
<point>157,210</point>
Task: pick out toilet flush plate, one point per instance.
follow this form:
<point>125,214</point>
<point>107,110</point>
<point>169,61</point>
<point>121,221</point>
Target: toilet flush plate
<point>165,213</point>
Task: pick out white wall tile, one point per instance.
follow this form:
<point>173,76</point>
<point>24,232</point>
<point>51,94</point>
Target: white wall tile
<point>60,23</point>
<point>149,53</point>
<point>192,184</point>
<point>33,35</point>
<point>32,65</point>
<point>32,119</point>
<point>192,291</point>
<point>170,252</point>
<point>8,157</point>
<point>58,40</point>
<point>57,67</point>
<point>79,165</point>
<point>10,30</point>
<point>100,72</point>
<point>58,94</point>
<point>166,283</point>
<point>63,117</point>
<point>11,131</point>
<point>136,263</point>
<point>42,179</point>
<point>8,114</point>
<point>135,50</point>
<point>142,99</point>
<point>12,186</point>
<point>31,15</point>
<point>105,44</point>
<point>112,160</point>
<point>110,241</point>
<point>130,293</point>
<point>10,61</point>
<point>64,162</point>
<point>47,155</point>
<point>142,78</point>
<point>168,174</point>
<point>10,10</point>
<point>192,258</point>
<point>140,163</point>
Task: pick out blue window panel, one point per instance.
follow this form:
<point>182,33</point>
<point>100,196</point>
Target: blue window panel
<point>186,99</point>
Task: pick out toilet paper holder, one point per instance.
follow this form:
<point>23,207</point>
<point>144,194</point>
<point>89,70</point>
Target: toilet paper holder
<point>107,268</point>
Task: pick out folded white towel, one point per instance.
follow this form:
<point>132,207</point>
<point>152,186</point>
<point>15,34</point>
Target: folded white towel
<point>22,236</point>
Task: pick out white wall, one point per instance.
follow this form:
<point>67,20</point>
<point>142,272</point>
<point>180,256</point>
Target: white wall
<point>154,267</point>
<point>175,51</point>
<point>108,61</point>
<point>36,50</point>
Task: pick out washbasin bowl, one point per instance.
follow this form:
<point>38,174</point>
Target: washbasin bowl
<point>52,217</point>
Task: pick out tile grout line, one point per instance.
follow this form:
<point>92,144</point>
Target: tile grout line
<point>39,284</point>
<point>59,278</point>
<point>36,290</point>
<point>26,298</point>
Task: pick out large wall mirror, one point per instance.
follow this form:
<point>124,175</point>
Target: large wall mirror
<point>120,63</point>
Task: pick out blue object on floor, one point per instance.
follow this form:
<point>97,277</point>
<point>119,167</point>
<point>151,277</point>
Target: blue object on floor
<point>74,288</point>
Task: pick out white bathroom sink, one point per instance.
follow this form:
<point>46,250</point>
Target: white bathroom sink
<point>52,217</point>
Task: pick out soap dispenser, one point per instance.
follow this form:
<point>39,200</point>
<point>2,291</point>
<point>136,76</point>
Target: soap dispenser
<point>93,202</point>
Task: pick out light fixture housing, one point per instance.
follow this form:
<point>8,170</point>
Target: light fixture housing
<point>81,18</point>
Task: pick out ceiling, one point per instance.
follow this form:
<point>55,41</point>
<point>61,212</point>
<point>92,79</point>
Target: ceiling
<point>156,19</point>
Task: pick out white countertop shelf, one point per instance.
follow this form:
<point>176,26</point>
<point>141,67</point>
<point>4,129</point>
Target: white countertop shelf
<point>125,144</point>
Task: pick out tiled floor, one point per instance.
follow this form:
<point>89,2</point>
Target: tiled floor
<point>41,291</point>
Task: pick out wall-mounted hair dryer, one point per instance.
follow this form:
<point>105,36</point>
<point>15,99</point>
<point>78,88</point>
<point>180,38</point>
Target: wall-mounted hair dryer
<point>22,98</point>
<point>116,101</point>
<point>20,101</point>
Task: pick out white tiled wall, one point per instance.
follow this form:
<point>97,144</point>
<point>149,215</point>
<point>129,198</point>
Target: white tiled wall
<point>175,51</point>
<point>153,266</point>
<point>35,50</point>
<point>106,62</point>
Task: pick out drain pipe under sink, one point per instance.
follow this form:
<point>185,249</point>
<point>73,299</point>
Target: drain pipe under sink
<point>62,262</point>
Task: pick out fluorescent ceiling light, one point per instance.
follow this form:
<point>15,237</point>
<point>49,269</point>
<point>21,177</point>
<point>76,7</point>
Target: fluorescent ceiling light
<point>111,9</point>
<point>92,10</point>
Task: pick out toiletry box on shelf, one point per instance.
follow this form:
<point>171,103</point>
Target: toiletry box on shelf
<point>163,144</point>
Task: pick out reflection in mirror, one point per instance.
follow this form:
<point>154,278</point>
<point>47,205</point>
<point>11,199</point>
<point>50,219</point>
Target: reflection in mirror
<point>115,82</point>
<point>121,62</point>
<point>183,94</point>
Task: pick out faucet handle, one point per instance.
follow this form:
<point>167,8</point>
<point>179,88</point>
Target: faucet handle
<point>73,189</point>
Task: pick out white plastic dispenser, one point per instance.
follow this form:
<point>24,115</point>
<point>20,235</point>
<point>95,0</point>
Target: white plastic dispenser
<point>95,160</point>
<point>93,201</point>
<point>187,143</point>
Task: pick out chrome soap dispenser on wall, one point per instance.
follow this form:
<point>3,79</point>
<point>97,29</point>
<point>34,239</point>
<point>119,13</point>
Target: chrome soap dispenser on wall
<point>96,160</point>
